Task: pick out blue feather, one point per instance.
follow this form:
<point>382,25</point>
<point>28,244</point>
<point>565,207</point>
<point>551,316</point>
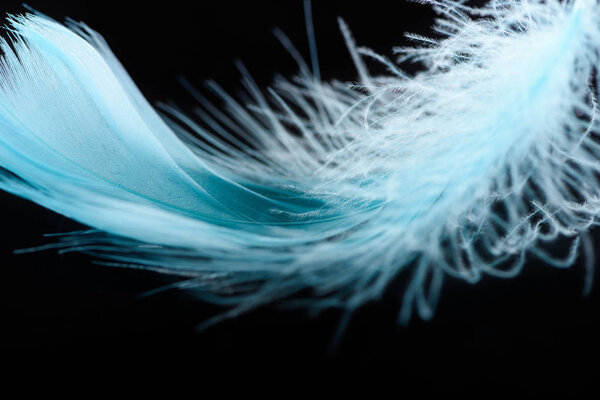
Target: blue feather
<point>488,155</point>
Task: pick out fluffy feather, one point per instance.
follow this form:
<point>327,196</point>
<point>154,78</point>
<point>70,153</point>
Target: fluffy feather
<point>322,192</point>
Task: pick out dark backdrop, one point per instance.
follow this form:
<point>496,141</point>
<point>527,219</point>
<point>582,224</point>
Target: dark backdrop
<point>528,326</point>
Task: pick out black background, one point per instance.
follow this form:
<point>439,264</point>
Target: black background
<point>524,328</point>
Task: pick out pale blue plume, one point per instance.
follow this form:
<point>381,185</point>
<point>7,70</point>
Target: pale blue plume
<point>320,193</point>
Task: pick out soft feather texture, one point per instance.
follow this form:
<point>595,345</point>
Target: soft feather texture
<point>322,193</point>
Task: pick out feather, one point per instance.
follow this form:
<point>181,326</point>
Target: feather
<point>321,193</point>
